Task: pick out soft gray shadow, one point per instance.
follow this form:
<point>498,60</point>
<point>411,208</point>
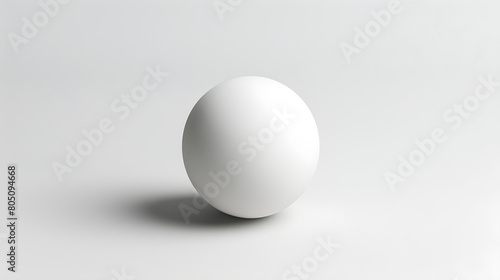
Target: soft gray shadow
<point>166,210</point>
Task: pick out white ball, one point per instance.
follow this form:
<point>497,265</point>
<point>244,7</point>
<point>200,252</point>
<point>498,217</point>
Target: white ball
<point>250,147</point>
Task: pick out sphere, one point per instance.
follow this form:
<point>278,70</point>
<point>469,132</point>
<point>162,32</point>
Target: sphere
<point>250,147</point>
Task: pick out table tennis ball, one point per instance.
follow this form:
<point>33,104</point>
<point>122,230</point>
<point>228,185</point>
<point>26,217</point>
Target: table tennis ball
<point>250,147</point>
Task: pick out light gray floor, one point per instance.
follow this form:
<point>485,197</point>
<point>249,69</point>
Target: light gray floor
<point>117,213</point>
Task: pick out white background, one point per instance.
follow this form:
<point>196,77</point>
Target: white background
<point>118,209</point>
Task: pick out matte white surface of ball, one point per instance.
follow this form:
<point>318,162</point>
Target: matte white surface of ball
<point>250,147</point>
